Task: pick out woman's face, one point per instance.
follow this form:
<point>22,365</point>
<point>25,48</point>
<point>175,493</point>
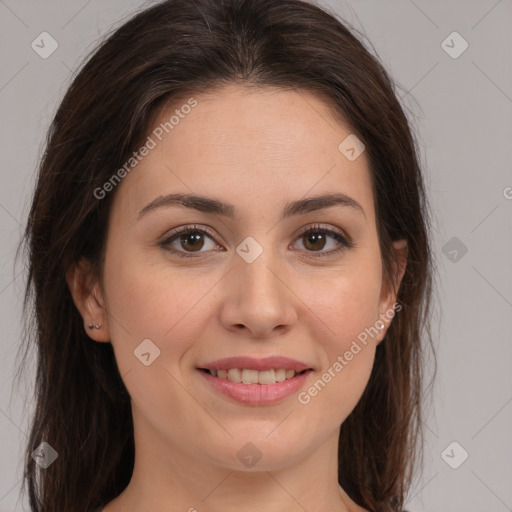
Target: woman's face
<point>247,282</point>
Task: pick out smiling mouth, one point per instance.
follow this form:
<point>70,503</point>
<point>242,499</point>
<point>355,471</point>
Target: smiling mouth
<point>246,376</point>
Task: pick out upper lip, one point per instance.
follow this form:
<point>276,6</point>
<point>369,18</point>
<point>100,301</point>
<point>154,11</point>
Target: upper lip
<point>252,363</point>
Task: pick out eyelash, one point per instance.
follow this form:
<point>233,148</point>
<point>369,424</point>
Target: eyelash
<point>344,243</point>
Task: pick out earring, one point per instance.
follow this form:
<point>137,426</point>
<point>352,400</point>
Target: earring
<point>91,326</point>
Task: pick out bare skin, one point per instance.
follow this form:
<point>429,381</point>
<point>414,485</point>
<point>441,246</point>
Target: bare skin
<point>258,150</point>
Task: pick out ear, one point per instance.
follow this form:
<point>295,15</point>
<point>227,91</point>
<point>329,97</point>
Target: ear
<point>389,289</point>
<point>88,299</point>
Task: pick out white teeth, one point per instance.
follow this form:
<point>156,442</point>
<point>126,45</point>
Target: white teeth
<point>280,375</point>
<point>254,376</point>
<point>250,376</point>
<point>267,377</point>
<point>235,375</point>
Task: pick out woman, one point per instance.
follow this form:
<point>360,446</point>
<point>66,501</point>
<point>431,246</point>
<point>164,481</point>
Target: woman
<point>207,347</point>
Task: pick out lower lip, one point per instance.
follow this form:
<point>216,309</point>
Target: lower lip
<point>256,394</point>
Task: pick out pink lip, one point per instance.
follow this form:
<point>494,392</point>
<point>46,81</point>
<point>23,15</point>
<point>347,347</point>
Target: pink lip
<point>251,363</point>
<point>256,394</point>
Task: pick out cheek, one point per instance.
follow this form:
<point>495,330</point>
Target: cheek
<point>346,304</point>
<point>148,302</point>
<point>345,310</point>
<point>145,305</point>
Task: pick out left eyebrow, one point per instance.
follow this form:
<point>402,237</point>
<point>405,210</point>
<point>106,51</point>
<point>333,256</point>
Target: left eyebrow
<point>214,206</point>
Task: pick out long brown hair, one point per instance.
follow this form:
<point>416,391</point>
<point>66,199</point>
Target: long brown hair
<point>180,47</point>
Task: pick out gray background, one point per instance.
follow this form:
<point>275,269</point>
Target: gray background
<point>462,111</point>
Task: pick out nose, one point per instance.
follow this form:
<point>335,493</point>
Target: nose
<point>258,299</point>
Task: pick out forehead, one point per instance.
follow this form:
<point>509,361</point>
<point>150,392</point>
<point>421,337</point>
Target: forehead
<point>250,144</point>
<point>252,121</point>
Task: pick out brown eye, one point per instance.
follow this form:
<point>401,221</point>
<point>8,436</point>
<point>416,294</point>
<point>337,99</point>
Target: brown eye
<point>192,241</point>
<point>316,239</point>
<point>189,240</point>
